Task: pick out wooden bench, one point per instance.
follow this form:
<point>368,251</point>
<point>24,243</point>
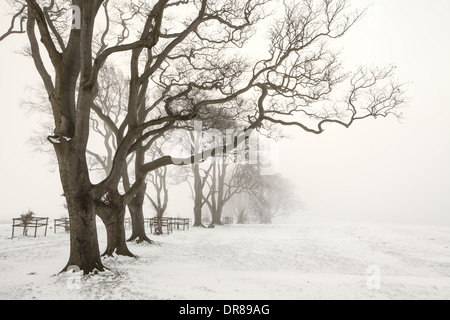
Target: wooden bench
<point>35,222</point>
<point>227,220</point>
<point>129,222</point>
<point>165,223</point>
<point>184,222</point>
<point>170,223</point>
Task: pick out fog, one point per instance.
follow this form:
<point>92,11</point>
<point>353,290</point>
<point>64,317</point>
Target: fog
<point>378,170</point>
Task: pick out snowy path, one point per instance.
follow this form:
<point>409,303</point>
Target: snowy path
<point>304,261</point>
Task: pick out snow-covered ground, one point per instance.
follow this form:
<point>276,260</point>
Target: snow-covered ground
<point>307,260</point>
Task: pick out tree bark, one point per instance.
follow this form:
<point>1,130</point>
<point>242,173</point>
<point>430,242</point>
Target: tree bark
<point>217,197</point>
<point>136,208</point>
<point>217,215</point>
<point>112,214</point>
<point>220,193</point>
<point>198,197</point>
<point>241,218</point>
<point>159,228</point>
<point>84,248</point>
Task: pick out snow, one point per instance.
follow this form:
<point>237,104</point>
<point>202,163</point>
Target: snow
<point>55,140</point>
<point>306,260</point>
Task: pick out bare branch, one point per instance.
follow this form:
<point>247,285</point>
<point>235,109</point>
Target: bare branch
<point>19,15</point>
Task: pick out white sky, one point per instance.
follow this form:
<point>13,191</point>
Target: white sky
<point>378,170</point>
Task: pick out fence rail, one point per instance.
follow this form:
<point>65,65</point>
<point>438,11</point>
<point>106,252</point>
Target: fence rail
<point>63,222</point>
<point>35,222</point>
<point>169,224</point>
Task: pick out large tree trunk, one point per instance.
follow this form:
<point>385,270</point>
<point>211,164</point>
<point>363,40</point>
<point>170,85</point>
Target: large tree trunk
<point>198,213</point>
<point>137,223</point>
<point>217,201</point>
<point>159,227</point>
<point>112,214</point>
<point>136,208</point>
<point>220,193</point>
<point>198,197</point>
<point>217,215</point>
<point>81,205</point>
<point>241,217</point>
<point>84,249</point>
<point>72,119</point>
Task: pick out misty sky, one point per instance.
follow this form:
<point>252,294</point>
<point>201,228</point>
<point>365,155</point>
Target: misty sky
<point>378,170</point>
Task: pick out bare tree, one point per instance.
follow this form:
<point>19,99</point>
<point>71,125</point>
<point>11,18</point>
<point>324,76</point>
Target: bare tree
<point>204,174</point>
<point>273,196</point>
<point>225,181</point>
<point>189,54</point>
<point>200,177</point>
<point>108,120</point>
<point>241,208</point>
<point>108,112</point>
<point>160,197</point>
